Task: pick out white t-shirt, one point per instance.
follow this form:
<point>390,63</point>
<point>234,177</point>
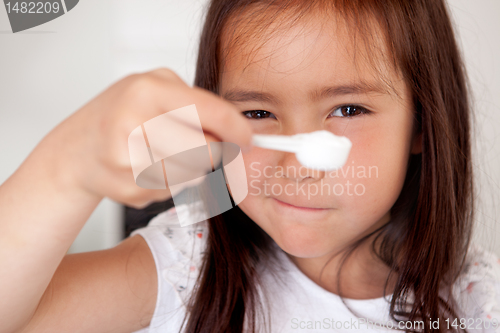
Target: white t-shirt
<point>296,303</point>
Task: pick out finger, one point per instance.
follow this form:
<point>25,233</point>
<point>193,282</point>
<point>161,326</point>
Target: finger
<point>224,121</point>
<point>219,118</point>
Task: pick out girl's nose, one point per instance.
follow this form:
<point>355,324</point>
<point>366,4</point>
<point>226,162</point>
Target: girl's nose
<point>296,172</point>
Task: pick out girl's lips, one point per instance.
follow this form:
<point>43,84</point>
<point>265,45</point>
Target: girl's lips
<point>298,208</point>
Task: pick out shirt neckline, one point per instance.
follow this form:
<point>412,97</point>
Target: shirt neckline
<point>309,284</point>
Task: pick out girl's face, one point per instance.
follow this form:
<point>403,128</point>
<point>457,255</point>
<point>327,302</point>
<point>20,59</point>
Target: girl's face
<point>306,79</point>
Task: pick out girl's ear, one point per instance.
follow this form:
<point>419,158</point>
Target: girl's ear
<point>416,147</point>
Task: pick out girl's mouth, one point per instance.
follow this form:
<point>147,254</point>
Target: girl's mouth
<point>298,208</point>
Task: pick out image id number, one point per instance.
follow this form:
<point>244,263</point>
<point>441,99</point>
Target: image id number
<point>32,7</point>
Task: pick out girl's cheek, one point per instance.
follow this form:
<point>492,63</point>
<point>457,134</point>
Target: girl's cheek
<point>376,171</point>
<point>255,166</point>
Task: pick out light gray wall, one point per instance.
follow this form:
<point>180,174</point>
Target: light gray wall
<point>478,27</point>
<point>48,72</point>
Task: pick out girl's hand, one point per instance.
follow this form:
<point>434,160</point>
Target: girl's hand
<point>91,146</point>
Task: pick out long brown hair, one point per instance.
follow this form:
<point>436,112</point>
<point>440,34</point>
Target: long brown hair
<point>426,241</point>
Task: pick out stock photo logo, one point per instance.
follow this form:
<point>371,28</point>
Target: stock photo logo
<point>170,152</point>
<point>28,14</point>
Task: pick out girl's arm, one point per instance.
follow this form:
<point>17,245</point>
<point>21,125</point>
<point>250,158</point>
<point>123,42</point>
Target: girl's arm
<point>40,218</point>
<point>46,202</point>
<point>111,291</point>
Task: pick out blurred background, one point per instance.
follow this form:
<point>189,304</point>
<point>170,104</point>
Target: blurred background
<point>50,71</point>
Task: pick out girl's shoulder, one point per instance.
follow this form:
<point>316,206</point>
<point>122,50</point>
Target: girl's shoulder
<point>178,251</point>
<point>477,290</point>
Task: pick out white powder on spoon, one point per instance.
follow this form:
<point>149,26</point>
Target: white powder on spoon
<point>321,150</point>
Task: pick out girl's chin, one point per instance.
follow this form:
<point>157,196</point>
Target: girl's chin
<point>304,249</point>
<point>303,241</point>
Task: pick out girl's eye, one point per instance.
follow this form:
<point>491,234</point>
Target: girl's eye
<point>258,114</point>
<point>348,111</point>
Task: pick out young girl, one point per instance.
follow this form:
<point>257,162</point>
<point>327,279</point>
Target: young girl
<point>382,244</point>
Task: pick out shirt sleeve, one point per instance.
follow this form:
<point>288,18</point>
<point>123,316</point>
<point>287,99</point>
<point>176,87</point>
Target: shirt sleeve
<point>479,291</point>
<point>177,252</point>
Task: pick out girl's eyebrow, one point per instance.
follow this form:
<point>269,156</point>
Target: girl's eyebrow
<point>359,88</point>
<point>249,95</point>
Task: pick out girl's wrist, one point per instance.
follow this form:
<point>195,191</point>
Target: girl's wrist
<point>59,156</point>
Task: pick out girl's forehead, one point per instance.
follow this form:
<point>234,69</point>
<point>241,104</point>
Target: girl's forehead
<point>309,47</point>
